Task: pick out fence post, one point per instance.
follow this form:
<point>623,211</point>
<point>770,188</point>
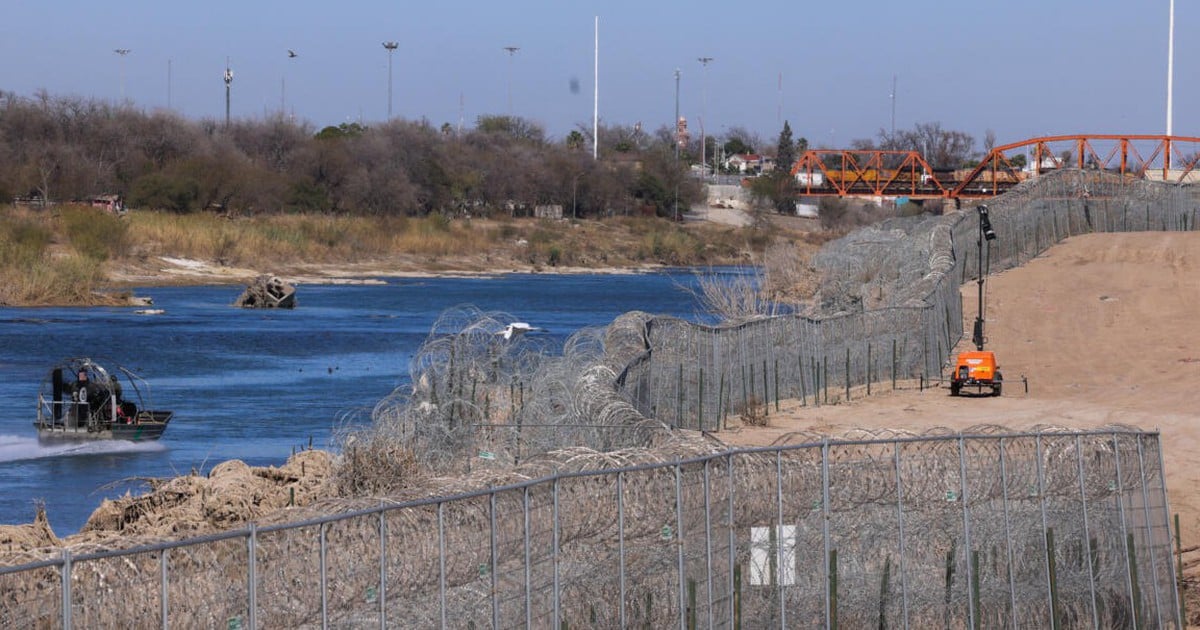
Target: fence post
<point>776,384</point>
<point>163,581</point>
<point>441,522</point>
<point>883,592</point>
<point>1130,562</point>
<point>679,399</point>
<point>1179,576</point>
<point>66,588</point>
<point>833,590</point>
<point>829,612</point>
<point>708,559</point>
<point>868,368</point>
<point>1087,535</point>
<point>1052,571</point>
<point>323,579</point>
<point>779,541</point>
<point>825,379</point>
<point>1012,584</point>
<point>382,567</point>
<point>976,607</point>
<point>700,403</point>
<point>528,574</point>
<point>721,401</point>
<point>766,393</point>
<point>1131,552</point>
<point>1041,490</point>
<point>252,577</point>
<point>495,554</point>
<point>964,496</point>
<point>900,527</point>
<point>1158,607</point>
<point>621,541</point>
<point>800,375</point>
<point>554,553</point>
<point>847,372</point>
<point>678,540</point>
<point>735,584</point>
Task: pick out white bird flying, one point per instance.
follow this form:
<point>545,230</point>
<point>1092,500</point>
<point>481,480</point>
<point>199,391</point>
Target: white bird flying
<point>516,329</point>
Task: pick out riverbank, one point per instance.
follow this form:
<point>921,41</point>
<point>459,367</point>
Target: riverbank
<point>80,256</point>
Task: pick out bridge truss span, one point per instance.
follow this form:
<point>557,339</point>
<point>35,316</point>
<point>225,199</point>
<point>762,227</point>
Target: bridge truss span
<point>880,173</point>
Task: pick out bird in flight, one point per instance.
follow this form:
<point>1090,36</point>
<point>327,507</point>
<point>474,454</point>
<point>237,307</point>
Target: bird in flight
<point>516,329</point>
<point>291,53</point>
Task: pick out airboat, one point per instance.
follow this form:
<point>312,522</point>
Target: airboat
<point>81,399</point>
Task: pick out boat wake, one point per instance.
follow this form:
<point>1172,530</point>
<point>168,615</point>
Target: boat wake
<point>15,448</point>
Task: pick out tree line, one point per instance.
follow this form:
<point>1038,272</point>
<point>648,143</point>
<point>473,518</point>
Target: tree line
<point>55,148</point>
<point>63,148</point>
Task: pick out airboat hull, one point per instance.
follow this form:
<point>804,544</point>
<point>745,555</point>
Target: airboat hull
<point>150,426</point>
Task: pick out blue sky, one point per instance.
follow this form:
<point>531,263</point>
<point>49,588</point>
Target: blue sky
<point>1020,68</point>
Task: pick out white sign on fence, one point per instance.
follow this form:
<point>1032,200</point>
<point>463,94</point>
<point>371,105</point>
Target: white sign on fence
<point>773,555</point>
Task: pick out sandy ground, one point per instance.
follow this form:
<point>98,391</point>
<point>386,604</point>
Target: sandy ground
<point>1103,326</point>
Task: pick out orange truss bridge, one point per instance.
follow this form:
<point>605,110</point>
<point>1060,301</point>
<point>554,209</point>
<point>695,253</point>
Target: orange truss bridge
<point>878,173</point>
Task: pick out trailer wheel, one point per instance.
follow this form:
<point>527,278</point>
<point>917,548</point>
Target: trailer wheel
<point>998,383</point>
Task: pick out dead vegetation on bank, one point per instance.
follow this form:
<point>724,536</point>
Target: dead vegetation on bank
<point>77,255</point>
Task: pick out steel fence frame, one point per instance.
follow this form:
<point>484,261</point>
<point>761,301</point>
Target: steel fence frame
<point>1046,529</point>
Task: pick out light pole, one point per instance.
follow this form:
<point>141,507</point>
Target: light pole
<point>1170,72</point>
<point>676,114</point>
<point>704,114</point>
<point>677,139</point>
<point>391,47</point>
<point>122,52</point>
<point>228,83</point>
<point>512,51</point>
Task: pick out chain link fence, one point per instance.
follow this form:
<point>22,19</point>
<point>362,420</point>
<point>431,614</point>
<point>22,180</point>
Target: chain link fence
<point>889,303</point>
<point>983,529</point>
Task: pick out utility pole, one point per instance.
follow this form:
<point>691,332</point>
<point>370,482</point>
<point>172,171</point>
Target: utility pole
<point>228,83</point>
<point>391,47</point>
<point>676,114</point>
<point>704,114</point>
<point>677,138</point>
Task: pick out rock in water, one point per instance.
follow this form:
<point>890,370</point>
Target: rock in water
<point>268,292</point>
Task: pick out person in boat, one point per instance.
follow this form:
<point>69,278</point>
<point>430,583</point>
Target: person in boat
<point>85,395</point>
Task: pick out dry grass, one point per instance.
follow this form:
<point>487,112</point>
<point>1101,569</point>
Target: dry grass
<point>35,268</point>
<point>59,256</point>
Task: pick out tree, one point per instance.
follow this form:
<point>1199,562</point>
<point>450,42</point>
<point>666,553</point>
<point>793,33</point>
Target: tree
<point>779,188</point>
<point>941,148</point>
<point>575,140</point>
<point>785,150</point>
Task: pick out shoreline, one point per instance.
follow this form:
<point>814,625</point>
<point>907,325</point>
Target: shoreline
<point>191,272</point>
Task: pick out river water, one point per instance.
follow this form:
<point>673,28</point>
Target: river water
<point>253,384</point>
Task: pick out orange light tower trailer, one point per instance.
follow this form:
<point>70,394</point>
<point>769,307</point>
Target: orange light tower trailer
<point>977,368</point>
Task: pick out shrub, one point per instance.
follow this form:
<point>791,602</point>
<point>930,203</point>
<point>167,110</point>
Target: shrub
<point>95,234</point>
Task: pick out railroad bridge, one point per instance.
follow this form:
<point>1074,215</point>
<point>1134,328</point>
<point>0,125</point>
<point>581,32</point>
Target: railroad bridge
<point>879,173</point>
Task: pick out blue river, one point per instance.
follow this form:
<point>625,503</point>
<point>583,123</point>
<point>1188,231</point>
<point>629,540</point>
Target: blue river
<point>255,385</point>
